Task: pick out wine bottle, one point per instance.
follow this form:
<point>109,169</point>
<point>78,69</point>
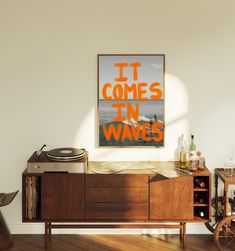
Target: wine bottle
<point>198,198</point>
<point>200,183</point>
<point>192,146</point>
<point>201,214</point>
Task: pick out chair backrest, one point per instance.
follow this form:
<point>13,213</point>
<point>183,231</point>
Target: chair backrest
<point>2,195</point>
<point>7,198</point>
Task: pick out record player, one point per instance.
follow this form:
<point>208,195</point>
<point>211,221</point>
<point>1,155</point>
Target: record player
<point>69,160</point>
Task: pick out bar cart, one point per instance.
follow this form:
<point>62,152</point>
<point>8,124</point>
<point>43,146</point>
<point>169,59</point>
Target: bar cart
<point>223,220</point>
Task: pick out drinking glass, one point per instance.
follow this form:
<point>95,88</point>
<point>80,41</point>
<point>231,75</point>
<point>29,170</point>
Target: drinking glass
<point>194,165</point>
<point>231,156</point>
<point>228,169</point>
<point>201,163</point>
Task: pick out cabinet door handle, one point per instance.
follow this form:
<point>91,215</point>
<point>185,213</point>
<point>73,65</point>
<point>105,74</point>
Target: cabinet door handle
<point>105,185</point>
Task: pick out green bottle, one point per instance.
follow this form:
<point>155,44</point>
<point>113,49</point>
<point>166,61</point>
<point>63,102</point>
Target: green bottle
<point>192,146</point>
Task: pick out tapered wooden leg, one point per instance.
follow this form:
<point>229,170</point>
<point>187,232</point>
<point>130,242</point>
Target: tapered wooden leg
<point>5,235</point>
<point>181,231</point>
<point>184,234</point>
<point>49,230</point>
<point>216,198</point>
<point>226,199</point>
<point>46,234</point>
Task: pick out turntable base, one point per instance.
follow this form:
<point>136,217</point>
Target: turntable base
<point>47,162</point>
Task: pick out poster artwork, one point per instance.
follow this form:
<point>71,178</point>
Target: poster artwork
<point>131,100</point>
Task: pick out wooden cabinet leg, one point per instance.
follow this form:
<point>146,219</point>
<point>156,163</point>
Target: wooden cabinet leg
<point>181,231</point>
<point>184,234</point>
<point>46,234</point>
<point>49,230</point>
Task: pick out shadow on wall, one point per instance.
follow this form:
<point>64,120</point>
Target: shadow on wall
<point>176,111</point>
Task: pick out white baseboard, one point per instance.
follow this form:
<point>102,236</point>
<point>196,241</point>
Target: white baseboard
<point>38,228</point>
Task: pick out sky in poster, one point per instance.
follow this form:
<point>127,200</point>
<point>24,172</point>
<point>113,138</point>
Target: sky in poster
<point>151,70</point>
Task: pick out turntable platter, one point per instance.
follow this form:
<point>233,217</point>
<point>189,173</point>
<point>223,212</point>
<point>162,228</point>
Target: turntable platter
<point>66,154</point>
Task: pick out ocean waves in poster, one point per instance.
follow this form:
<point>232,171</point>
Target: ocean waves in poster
<point>150,112</point>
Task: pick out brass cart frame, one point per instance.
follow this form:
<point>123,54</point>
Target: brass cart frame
<point>224,232</point>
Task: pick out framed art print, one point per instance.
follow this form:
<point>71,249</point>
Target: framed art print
<point>131,100</point>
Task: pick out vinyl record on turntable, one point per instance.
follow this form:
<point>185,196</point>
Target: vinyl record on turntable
<point>66,154</point>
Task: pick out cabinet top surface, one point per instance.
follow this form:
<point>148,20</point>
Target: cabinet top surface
<point>169,169</point>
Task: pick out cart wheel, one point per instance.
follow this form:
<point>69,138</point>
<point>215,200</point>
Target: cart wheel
<point>211,226</point>
<point>225,233</point>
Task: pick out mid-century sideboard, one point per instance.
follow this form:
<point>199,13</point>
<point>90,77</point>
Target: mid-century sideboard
<point>128,199</point>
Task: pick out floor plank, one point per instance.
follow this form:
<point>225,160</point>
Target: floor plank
<point>113,243</point>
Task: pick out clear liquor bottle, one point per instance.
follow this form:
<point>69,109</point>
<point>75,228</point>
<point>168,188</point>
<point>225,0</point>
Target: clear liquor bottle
<point>183,152</point>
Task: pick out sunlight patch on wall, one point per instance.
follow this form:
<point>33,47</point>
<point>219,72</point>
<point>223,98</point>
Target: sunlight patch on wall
<point>176,99</point>
<point>86,137</point>
<point>176,109</point>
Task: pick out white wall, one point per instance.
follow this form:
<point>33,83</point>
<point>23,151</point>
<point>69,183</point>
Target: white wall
<point>48,77</point>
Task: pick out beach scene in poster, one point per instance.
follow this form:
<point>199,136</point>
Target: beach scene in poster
<point>148,112</point>
<point>144,100</point>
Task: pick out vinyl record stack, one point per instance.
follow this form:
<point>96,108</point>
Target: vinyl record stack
<point>32,191</point>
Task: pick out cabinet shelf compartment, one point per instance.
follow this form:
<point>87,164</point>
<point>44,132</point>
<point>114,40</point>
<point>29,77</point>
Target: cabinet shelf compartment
<point>204,209</point>
<point>205,179</point>
<point>201,197</point>
<point>32,195</point>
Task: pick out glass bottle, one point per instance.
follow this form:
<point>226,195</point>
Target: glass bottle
<point>201,214</point>
<point>192,146</point>
<point>200,183</point>
<point>199,198</point>
<point>183,152</point>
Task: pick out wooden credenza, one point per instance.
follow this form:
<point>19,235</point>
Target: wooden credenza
<point>131,199</point>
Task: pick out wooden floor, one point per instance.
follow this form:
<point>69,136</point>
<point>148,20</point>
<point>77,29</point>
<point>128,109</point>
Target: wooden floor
<point>113,243</point>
